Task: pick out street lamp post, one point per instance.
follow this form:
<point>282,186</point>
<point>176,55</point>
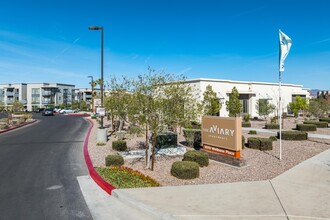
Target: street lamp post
<point>92,84</point>
<point>96,28</point>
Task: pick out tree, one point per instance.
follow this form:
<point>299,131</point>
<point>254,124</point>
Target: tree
<point>297,105</point>
<point>264,108</point>
<point>233,105</point>
<point>211,103</point>
<point>17,106</point>
<point>318,107</point>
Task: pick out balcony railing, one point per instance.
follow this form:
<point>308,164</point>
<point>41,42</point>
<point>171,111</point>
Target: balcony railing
<point>47,93</point>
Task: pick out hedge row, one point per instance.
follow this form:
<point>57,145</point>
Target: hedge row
<point>325,119</point>
<point>246,124</point>
<point>260,143</point>
<point>319,124</point>
<point>306,127</point>
<point>293,135</point>
<point>272,126</point>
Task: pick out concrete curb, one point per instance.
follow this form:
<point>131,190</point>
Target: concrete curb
<point>152,211</point>
<point>92,172</point>
<point>18,126</point>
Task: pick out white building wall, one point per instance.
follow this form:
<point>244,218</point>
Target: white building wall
<point>254,90</point>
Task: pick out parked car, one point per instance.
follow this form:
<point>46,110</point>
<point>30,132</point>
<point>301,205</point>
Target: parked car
<point>67,111</point>
<point>47,112</point>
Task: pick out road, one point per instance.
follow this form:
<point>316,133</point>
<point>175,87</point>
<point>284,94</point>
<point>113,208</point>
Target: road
<point>39,165</point>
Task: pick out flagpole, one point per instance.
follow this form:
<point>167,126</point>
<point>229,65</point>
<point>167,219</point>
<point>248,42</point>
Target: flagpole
<point>280,113</point>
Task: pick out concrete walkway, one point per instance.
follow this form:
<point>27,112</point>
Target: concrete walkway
<point>302,192</point>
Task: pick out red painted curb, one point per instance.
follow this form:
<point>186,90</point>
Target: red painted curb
<point>84,115</point>
<point>92,172</point>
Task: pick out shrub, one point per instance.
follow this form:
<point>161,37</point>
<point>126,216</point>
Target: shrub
<point>252,132</point>
<point>260,143</point>
<point>272,126</point>
<point>166,140</point>
<point>196,125</point>
<point>119,145</point>
<point>273,138</point>
<point>306,127</point>
<point>243,142</point>
<point>197,156</point>
<point>93,117</point>
<point>246,118</point>
<point>185,169</point>
<point>325,119</point>
<point>254,143</point>
<point>193,137</point>
<point>114,160</point>
<point>319,124</point>
<point>293,135</point>
<point>246,124</point>
<point>266,144</point>
<point>100,144</point>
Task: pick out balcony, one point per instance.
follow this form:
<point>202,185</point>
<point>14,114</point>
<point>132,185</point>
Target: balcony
<point>48,102</point>
<point>47,93</point>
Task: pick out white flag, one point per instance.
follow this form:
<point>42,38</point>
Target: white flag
<point>285,45</point>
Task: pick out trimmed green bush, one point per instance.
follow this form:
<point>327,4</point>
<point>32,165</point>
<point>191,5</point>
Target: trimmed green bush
<point>260,143</point>
<point>253,143</point>
<point>306,127</point>
<point>119,145</point>
<point>243,142</point>
<point>197,156</point>
<point>325,119</point>
<point>246,124</point>
<point>273,138</point>
<point>193,137</point>
<point>252,132</point>
<point>293,135</point>
<point>266,144</point>
<point>272,126</point>
<point>185,169</point>
<point>166,140</point>
<point>93,117</point>
<point>319,124</point>
<point>114,160</point>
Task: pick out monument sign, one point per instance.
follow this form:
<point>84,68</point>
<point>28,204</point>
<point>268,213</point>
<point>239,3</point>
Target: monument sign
<point>222,135</point>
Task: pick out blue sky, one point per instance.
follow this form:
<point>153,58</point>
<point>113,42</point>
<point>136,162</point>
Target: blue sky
<point>49,41</point>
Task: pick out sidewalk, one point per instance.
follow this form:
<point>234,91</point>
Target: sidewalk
<point>302,192</point>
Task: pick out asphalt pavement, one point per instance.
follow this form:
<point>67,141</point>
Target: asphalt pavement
<point>39,166</point>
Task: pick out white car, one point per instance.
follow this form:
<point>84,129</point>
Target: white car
<point>67,111</point>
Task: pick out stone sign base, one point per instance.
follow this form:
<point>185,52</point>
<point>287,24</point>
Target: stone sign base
<point>237,162</point>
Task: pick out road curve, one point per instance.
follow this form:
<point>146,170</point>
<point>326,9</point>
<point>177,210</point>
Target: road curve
<point>38,169</point>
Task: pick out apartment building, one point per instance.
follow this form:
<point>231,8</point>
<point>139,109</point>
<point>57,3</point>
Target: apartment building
<point>37,95</point>
<point>249,93</point>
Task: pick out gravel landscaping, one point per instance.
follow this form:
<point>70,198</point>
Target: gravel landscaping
<point>261,165</point>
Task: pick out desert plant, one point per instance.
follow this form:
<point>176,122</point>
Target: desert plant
<point>114,160</point>
<point>100,144</point>
<point>119,145</point>
<point>185,169</point>
<point>197,156</point>
<point>306,127</point>
<point>252,132</point>
<point>293,135</point>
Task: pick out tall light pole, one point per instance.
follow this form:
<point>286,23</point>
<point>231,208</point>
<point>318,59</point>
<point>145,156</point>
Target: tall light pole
<point>92,84</point>
<point>96,28</point>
